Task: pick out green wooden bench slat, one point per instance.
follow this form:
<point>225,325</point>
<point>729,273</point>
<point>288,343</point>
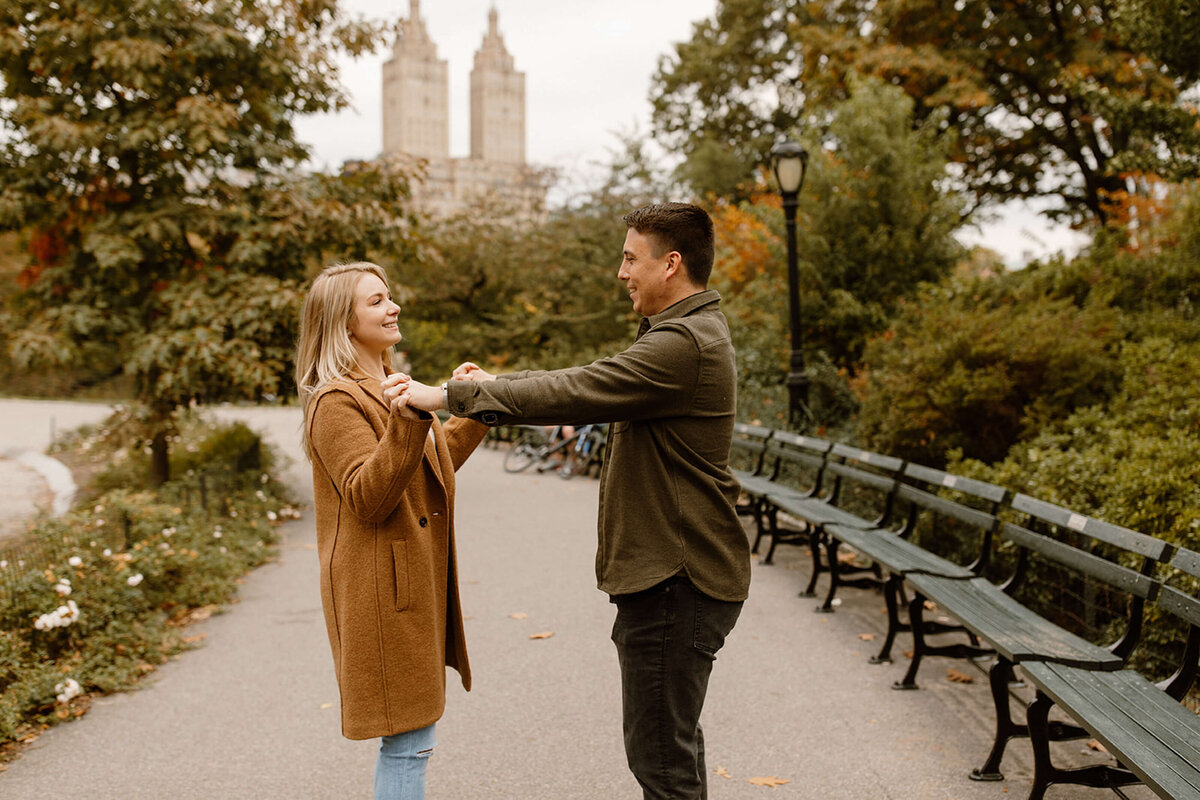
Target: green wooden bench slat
<point>879,461</point>
<point>1124,538</point>
<point>1148,731</point>
<point>813,510</point>
<point>896,554</point>
<point>969,486</point>
<point>1126,579</point>
<point>1010,628</point>
<point>1188,561</point>
<point>1179,603</point>
<point>946,508</point>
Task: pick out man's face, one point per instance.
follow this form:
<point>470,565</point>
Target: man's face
<point>644,275</point>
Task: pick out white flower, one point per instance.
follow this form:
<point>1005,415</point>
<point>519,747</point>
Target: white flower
<point>107,552</point>
<point>4,564</point>
<point>98,509</point>
<point>134,580</point>
<point>75,561</point>
<point>168,531</point>
<point>99,523</point>
<point>259,494</point>
<point>68,690</point>
<point>217,533</point>
<point>63,587</point>
<point>233,512</point>
<point>163,545</point>
<point>265,478</point>
<point>271,515</point>
<point>223,550</point>
<point>60,617</point>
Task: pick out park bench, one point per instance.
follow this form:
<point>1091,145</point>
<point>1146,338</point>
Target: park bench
<point>1078,550</point>
<point>896,552</point>
<point>749,448</point>
<point>1020,547</point>
<point>1155,739</point>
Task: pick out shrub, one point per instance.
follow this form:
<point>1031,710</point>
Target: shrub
<point>99,593</point>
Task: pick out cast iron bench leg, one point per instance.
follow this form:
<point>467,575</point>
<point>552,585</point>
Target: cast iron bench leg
<point>831,556</point>
<point>760,529</point>
<point>891,592</point>
<point>1045,774</point>
<point>814,548</point>
<point>1000,676</point>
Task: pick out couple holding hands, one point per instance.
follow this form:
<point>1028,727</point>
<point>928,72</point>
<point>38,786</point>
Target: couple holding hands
<point>671,555</point>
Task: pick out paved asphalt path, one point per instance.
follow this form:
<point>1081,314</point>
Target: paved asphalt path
<point>252,712</point>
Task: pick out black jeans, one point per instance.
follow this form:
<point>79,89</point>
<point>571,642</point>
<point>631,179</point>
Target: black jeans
<point>667,638</point>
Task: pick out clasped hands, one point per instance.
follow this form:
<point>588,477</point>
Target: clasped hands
<point>406,396</point>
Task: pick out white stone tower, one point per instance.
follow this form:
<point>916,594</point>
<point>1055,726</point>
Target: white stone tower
<point>497,102</point>
<point>416,94</point>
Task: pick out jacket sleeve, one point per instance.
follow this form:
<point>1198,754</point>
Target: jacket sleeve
<point>462,437</point>
<point>656,377</point>
<point>369,473</point>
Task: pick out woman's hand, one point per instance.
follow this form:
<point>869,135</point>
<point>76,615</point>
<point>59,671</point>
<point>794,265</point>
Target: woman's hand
<point>397,392</point>
<point>468,371</point>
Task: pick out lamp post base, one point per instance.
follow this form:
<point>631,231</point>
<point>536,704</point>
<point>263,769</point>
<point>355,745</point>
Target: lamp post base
<point>798,414</point>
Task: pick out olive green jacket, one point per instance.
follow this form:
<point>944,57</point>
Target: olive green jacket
<point>667,495</point>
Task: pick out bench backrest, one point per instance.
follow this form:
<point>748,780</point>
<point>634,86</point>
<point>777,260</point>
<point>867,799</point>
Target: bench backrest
<point>788,454</point>
<point>1185,606</point>
<point>955,500</point>
<point>751,442</point>
<point>872,476</point>
<point>1094,549</point>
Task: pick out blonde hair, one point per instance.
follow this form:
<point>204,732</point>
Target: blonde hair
<point>324,352</point>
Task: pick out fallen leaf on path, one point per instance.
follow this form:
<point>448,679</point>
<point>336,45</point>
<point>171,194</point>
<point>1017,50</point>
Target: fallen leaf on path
<point>958,677</point>
<point>930,605</point>
<point>326,705</point>
<point>518,615</point>
<point>771,781</point>
<point>310,547</point>
<point>867,637</point>
<point>1095,745</point>
<point>846,557</point>
<point>724,773</point>
<point>542,635</point>
<point>199,637</point>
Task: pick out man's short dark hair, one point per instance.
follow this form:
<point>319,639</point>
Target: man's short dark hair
<point>682,227</point>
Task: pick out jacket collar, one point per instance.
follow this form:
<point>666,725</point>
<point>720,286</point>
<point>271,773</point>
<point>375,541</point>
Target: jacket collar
<point>681,308</point>
<point>369,384</point>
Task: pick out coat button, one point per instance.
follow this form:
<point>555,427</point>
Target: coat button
<point>423,522</point>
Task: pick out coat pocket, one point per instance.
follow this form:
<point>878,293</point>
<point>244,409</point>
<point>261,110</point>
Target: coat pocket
<point>400,564</point>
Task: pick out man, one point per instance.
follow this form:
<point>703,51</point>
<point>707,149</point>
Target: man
<point>672,554</point>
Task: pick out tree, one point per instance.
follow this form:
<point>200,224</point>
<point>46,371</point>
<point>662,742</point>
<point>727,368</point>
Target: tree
<point>149,155</point>
<point>516,293</point>
<point>1045,97</point>
<point>875,224</point>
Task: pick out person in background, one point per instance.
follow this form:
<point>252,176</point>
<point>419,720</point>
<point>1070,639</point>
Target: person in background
<point>383,489</point>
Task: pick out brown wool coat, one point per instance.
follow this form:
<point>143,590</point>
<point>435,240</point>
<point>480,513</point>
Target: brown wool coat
<point>384,498</point>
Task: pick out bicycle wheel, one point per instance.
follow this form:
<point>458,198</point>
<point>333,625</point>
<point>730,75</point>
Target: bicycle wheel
<point>523,452</point>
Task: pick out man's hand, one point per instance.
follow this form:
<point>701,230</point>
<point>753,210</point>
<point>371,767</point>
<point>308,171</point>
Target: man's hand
<point>468,371</point>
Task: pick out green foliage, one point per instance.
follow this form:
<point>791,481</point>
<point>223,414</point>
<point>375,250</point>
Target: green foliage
<point>1131,461</point>
<point>515,294</point>
<point>149,156</point>
<point>979,365</point>
<point>1043,99</point>
<point>134,562</point>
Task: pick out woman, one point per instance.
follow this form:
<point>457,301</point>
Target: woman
<point>383,486</point>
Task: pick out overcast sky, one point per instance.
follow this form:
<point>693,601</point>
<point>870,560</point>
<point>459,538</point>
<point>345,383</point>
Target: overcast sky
<point>587,66</point>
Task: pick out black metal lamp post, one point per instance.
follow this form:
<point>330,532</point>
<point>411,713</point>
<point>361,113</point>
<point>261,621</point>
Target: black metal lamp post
<point>789,162</point>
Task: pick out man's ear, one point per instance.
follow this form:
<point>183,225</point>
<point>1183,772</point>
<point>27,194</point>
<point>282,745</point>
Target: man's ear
<point>674,264</point>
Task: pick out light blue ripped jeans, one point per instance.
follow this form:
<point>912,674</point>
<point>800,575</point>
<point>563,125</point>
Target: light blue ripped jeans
<point>400,769</point>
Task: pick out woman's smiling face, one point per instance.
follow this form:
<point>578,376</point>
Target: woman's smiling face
<point>374,327</point>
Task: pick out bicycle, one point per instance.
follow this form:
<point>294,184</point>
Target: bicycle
<point>536,446</point>
<point>588,450</point>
